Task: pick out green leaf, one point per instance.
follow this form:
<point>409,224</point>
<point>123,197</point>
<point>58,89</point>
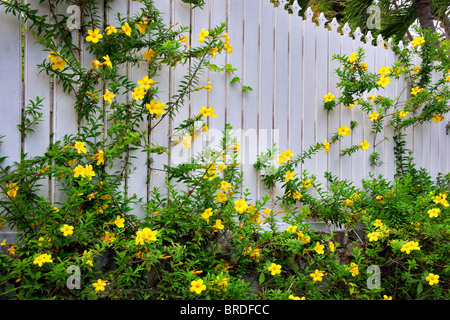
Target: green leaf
<point>247,88</point>
<point>419,288</point>
<point>262,277</point>
<point>235,79</point>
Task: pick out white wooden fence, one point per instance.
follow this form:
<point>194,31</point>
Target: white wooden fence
<point>285,59</point>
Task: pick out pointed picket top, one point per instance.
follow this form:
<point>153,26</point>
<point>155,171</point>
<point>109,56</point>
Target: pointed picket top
<point>295,7</point>
<point>309,14</point>
<point>401,45</point>
<point>390,41</point>
<point>322,20</point>
<point>369,37</point>
<point>334,25</point>
<point>346,29</point>
<point>380,40</point>
<point>358,34</point>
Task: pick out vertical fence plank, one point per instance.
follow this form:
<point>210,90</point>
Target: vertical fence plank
<point>296,88</point>
<point>346,162</point>
<point>10,88</point>
<point>360,134</point>
<point>266,36</point>
<point>389,130</point>
<point>160,135</point>
<point>250,103</point>
<point>37,84</point>
<point>321,65</point>
<point>309,121</point>
<point>333,116</point>
<point>137,180</point>
<point>10,93</point>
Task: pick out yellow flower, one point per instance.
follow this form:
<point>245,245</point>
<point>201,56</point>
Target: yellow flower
<point>54,56</point>
<point>416,69</point>
<point>441,199</point>
<point>416,90</point>
<point>432,279</point>
<point>438,118</point>
<point>206,214</point>
<point>218,224</point>
<point>185,39</point>
<point>348,202</point>
<point>145,235</point>
<point>43,258</point>
<point>240,205</point>
<point>365,145</point>
<point>373,236</point>
<point>59,64</point>
<point>156,108</point>
<point>224,185</point>
<point>344,131</point>
<point>292,229</point>
<point>409,246</point>
<point>378,223</point>
<point>110,29</point>
<point>87,256</point>
<point>418,41</point>
<point>292,297</point>
<point>352,58</point>
<point>329,97</point>
<point>142,26</point>
<point>108,95</point>
<point>100,157</point>
<point>317,275</point>
<point>94,36</point>
<point>274,269</point>
<point>319,248</point>
<point>149,54</point>
<point>186,142</point>
<point>326,146</point>
<point>80,147</point>
<point>107,61</point>
<point>100,285</point>
<point>354,269</point>
<point>207,112</point>
<point>289,176</point>
<point>12,190</point>
<point>363,66</point>
<point>67,230</point>
<point>138,93</point>
<point>373,116</point>
<point>213,52</point>
<point>108,237</point>
<point>197,286</point>
<point>297,195</point>
<point>126,29</point>
<point>220,197</point>
<point>384,71</point>
<point>203,35</point>
<point>385,297</point>
<point>96,64</point>
<point>434,213</point>
<point>208,87</point>
<point>119,222</point>
<point>403,114</point>
<point>384,81</point>
<point>145,83</point>
<point>306,183</point>
<point>331,246</point>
